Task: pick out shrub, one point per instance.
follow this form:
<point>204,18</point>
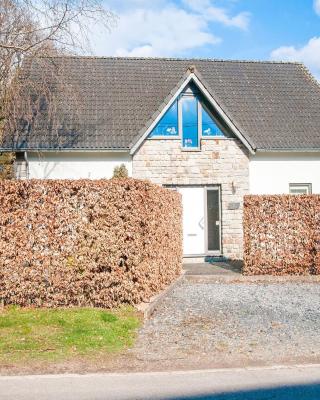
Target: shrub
<point>120,171</point>
<point>282,234</point>
<point>87,243</point>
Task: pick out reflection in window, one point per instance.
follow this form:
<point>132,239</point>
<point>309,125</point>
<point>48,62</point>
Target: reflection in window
<point>209,126</point>
<point>168,125</point>
<point>189,117</point>
<point>190,122</point>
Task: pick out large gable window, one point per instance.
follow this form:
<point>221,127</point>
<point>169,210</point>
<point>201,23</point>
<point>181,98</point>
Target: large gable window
<point>188,118</point>
<point>168,125</point>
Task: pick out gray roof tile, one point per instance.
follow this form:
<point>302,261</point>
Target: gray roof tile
<point>274,105</point>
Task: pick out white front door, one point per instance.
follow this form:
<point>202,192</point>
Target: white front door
<point>193,220</point>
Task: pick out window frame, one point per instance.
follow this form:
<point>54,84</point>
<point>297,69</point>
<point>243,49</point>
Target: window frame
<point>308,186</point>
<point>179,136</point>
<point>180,122</point>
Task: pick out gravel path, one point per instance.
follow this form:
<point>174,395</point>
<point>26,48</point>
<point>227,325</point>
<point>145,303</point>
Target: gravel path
<point>234,324</point>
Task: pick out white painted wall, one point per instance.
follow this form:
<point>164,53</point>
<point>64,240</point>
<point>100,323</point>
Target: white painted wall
<point>76,165</point>
<point>271,173</point>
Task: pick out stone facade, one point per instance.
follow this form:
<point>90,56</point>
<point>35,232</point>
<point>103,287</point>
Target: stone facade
<point>221,161</point>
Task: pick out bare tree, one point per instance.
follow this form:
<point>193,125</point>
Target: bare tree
<point>30,31</point>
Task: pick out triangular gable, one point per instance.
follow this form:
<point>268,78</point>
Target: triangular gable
<point>168,125</point>
<point>190,77</point>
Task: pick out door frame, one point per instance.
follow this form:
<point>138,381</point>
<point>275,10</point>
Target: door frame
<point>205,187</point>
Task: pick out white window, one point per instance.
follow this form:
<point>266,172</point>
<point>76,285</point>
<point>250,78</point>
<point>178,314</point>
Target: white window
<point>300,188</point>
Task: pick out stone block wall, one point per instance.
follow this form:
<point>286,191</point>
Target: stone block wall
<point>223,162</point>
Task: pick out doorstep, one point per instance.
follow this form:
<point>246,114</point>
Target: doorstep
<point>213,268</point>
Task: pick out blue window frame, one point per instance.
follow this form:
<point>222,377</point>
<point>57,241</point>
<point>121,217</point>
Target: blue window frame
<point>209,126</point>
<point>188,118</point>
<point>190,136</point>
<point>168,125</point>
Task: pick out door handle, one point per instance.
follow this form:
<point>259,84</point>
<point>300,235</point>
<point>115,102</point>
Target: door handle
<point>201,223</point>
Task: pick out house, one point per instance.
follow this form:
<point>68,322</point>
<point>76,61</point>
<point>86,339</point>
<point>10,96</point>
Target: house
<point>213,130</point>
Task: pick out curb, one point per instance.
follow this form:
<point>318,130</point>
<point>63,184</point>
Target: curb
<point>252,279</point>
<point>148,308</point>
<point>274,367</point>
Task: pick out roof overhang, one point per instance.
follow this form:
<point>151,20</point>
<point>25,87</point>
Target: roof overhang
<point>289,150</point>
<point>191,77</point>
<point>50,150</point>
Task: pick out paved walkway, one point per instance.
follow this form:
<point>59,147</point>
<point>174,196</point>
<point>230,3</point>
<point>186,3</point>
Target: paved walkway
<point>230,271</point>
<point>221,268</point>
<point>295,383</point>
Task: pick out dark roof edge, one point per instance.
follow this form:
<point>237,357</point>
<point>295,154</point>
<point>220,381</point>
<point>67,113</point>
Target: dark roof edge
<point>69,150</point>
<point>289,150</point>
<point>126,150</point>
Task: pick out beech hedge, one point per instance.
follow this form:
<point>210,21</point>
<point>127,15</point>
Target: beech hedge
<point>87,243</point>
<point>282,234</point>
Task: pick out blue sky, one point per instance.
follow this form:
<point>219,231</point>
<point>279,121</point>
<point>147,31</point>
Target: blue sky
<point>229,29</point>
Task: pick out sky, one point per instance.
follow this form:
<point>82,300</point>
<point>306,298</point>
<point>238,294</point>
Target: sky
<point>225,29</point>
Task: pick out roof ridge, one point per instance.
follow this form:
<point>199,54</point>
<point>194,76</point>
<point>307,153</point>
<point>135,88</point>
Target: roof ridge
<point>176,59</point>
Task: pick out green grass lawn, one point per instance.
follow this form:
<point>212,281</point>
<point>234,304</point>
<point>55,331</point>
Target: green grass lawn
<point>30,334</point>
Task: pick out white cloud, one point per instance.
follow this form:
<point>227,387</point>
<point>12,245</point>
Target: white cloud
<point>168,31</point>
<point>316,6</point>
<point>308,54</point>
<point>161,28</point>
<point>217,14</point>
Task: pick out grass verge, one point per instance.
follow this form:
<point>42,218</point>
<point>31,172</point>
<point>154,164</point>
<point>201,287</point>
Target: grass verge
<point>28,334</point>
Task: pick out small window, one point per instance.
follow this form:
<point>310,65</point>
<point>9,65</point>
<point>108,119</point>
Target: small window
<point>190,122</point>
<point>209,126</point>
<point>300,188</point>
<point>168,125</point>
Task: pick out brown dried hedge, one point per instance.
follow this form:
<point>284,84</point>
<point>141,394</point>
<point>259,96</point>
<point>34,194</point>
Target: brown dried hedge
<point>87,243</point>
<point>282,235</point>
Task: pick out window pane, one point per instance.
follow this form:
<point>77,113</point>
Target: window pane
<point>168,125</point>
<point>189,122</point>
<point>299,191</point>
<point>300,188</point>
<point>209,127</point>
<point>213,218</point>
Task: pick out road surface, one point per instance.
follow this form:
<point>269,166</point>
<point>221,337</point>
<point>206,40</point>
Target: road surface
<point>289,383</point>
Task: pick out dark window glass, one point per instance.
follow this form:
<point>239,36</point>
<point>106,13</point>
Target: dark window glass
<point>168,125</point>
<point>213,218</point>
<point>209,127</point>
<point>190,122</point>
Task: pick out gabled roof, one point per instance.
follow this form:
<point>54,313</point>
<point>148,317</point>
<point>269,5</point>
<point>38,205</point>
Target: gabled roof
<point>273,105</point>
<point>191,76</point>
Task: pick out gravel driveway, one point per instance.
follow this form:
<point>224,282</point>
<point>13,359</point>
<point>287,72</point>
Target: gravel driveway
<point>204,325</point>
<point>215,325</point>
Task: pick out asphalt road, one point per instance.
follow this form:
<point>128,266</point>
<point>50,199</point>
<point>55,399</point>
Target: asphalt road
<point>298,382</point>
